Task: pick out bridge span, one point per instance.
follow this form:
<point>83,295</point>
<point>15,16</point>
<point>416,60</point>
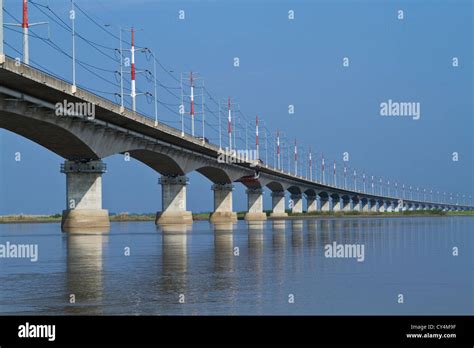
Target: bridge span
<point>29,100</point>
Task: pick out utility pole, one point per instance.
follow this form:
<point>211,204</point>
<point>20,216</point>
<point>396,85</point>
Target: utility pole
<point>266,148</point>
<point>133,72</point>
<point>229,124</point>
<point>296,160</point>
<point>191,107</point>
<point>220,126</point>
<point>355,181</point>
<point>246,136</point>
<point>155,90</point>
<point>133,82</point>
<point>25,25</point>
<point>73,19</point>
<point>322,168</point>
<point>256,138</point>
<point>345,176</point>
<point>203,108</point>
<point>278,150</point>
<point>2,54</point>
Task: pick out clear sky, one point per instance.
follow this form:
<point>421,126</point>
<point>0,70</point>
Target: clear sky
<point>282,62</point>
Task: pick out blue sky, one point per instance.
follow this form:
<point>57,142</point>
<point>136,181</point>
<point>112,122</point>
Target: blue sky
<point>282,62</point>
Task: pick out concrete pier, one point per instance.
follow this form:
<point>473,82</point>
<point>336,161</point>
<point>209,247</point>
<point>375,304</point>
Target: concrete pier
<point>255,205</point>
<point>364,203</point>
<point>373,206</point>
<point>297,203</point>
<point>311,203</point>
<point>390,207</point>
<point>382,208</point>
<point>346,204</point>
<point>223,204</point>
<point>278,204</point>
<point>173,195</point>
<point>84,211</point>
<point>356,206</point>
<point>324,204</point>
<point>336,203</point>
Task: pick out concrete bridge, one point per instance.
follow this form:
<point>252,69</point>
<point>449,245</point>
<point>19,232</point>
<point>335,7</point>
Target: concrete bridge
<point>29,107</point>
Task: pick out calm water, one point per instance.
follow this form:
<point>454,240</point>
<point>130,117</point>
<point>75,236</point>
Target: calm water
<point>409,256</point>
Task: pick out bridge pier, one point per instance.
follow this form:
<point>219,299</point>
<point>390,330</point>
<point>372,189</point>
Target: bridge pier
<point>297,203</point>
<point>84,211</point>
<point>390,207</point>
<point>364,202</point>
<point>373,206</point>
<point>311,203</point>
<point>382,208</point>
<point>336,203</point>
<point>398,207</point>
<point>324,204</point>
<point>278,204</point>
<point>223,204</point>
<point>255,205</point>
<point>356,206</point>
<point>173,195</point>
<point>346,204</point>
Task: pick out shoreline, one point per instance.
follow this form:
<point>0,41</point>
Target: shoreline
<point>12,219</point>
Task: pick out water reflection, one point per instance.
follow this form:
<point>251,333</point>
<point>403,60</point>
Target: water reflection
<point>223,227</point>
<point>174,258</point>
<point>84,276</point>
<point>275,258</point>
<point>312,233</point>
<point>223,251</point>
<point>255,244</point>
<point>297,233</point>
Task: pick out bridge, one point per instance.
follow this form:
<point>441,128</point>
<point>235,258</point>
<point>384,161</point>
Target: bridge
<point>34,104</point>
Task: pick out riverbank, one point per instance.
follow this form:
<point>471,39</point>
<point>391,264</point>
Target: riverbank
<point>124,217</point>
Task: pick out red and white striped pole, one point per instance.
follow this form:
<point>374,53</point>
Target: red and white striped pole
<point>355,180</point>
<point>133,73</point>
<point>296,159</point>
<point>256,137</point>
<point>322,166</point>
<point>278,150</point>
<point>310,165</point>
<point>229,124</point>
<point>191,112</point>
<point>345,176</point>
<point>24,25</point>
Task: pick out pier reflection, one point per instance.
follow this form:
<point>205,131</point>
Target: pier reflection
<point>84,276</point>
<point>174,258</point>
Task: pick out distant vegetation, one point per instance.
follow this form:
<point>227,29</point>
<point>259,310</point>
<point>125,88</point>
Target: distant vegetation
<point>24,218</point>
